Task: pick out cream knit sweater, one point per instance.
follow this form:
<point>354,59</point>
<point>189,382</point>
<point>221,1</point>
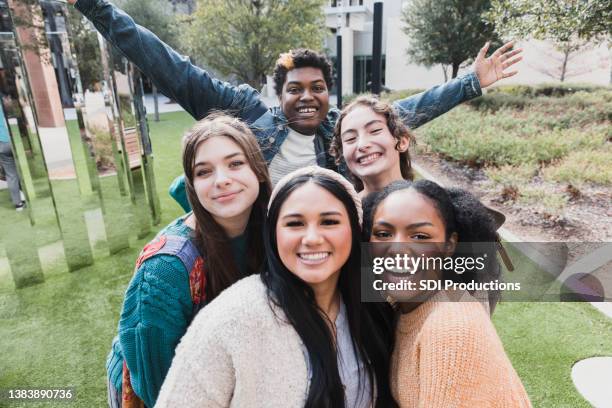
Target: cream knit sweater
<point>238,352</point>
<point>448,355</point>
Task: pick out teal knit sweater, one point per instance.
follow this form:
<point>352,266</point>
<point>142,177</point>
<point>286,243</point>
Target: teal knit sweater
<point>157,310</point>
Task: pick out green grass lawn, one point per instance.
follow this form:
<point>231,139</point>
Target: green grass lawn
<point>58,334</point>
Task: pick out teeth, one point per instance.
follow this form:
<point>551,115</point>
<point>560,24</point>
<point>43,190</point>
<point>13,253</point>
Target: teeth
<point>369,158</point>
<point>307,110</point>
<point>315,256</point>
<point>402,271</point>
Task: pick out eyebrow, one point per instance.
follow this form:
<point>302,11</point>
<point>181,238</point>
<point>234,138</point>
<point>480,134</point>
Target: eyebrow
<point>414,225</point>
<point>366,125</point>
<point>229,156</point>
<point>323,214</point>
<point>300,83</point>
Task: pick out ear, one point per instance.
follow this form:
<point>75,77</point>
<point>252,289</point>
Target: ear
<point>403,144</point>
<point>451,244</point>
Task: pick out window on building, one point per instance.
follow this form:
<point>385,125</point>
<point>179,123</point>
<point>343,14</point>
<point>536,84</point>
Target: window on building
<point>362,73</point>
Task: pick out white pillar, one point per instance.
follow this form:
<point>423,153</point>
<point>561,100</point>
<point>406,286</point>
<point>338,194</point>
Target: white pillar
<point>347,60</point>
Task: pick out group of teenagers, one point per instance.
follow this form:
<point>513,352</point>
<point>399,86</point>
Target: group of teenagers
<point>253,297</point>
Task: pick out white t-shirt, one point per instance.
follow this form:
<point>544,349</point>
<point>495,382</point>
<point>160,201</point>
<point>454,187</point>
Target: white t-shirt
<point>297,151</point>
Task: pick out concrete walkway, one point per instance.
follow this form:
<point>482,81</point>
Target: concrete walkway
<point>592,377</point>
<point>164,106</point>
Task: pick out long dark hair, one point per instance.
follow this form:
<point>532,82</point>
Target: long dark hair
<point>296,299</point>
<point>396,126</point>
<point>461,212</point>
<point>210,238</point>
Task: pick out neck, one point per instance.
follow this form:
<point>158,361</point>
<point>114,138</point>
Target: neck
<point>379,181</point>
<point>234,226</point>
<point>407,307</point>
<point>327,297</point>
<point>305,132</point>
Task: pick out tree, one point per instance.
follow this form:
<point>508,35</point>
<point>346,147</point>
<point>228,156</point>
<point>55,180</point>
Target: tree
<point>245,37</point>
<point>569,24</point>
<point>447,32</point>
<point>563,61</point>
<point>155,15</point>
<point>87,49</point>
<point>557,20</point>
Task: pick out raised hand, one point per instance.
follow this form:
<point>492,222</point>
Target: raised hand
<point>492,69</point>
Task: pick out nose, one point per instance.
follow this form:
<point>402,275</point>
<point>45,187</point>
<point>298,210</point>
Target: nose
<point>401,246</point>
<point>363,143</point>
<point>312,236</point>
<point>306,95</point>
<point>221,178</point>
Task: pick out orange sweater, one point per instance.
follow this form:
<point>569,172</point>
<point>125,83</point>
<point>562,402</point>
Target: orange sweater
<point>448,355</point>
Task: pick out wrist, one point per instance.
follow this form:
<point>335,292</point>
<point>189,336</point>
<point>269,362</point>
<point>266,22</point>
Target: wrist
<point>471,85</point>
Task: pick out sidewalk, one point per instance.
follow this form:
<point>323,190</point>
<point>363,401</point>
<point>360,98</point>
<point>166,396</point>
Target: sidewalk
<point>164,105</point>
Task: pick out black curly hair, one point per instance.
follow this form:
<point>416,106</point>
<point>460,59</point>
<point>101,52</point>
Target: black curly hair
<point>462,214</point>
<point>300,58</point>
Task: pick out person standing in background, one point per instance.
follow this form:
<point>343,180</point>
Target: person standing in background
<point>7,161</point>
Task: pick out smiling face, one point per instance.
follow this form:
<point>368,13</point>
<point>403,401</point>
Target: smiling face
<point>305,99</point>
<point>313,234</point>
<point>369,149</point>
<point>406,216</point>
<point>225,184</point>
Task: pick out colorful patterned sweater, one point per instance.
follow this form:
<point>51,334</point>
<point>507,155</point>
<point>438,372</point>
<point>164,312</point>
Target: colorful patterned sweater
<point>157,310</point>
<point>448,355</point>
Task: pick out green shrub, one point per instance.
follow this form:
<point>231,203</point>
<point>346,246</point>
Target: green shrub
<point>554,90</point>
<point>550,201</point>
<point>583,166</point>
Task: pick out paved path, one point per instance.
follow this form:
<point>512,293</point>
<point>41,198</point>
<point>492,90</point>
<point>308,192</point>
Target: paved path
<point>592,378</point>
<point>164,106</point>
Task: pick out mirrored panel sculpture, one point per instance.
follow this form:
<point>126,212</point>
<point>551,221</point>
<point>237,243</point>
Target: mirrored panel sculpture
<point>74,116</point>
<point>131,142</point>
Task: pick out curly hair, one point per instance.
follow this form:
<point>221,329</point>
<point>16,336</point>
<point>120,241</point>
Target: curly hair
<point>395,124</point>
<point>461,212</point>
<point>300,58</point>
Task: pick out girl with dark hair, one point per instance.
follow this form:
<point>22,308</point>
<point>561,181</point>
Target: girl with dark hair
<point>447,352</point>
<point>194,258</point>
<point>297,334</point>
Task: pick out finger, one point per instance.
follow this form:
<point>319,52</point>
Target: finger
<point>503,48</point>
<point>511,62</point>
<point>511,54</point>
<point>509,74</point>
<point>483,50</point>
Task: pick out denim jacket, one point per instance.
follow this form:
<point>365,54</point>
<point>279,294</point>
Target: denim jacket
<point>199,93</point>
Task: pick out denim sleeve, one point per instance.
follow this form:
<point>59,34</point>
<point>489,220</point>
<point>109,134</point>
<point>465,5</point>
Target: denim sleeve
<point>419,109</point>
<point>175,76</point>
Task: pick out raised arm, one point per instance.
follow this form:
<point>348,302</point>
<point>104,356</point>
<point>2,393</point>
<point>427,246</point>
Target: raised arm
<point>192,87</point>
<point>156,312</point>
<point>419,109</point>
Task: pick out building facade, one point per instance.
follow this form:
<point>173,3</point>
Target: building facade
<point>353,20</point>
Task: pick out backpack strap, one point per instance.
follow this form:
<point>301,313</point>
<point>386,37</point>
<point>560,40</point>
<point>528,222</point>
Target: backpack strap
<point>185,250</point>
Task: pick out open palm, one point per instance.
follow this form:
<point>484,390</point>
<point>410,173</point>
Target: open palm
<point>491,69</point>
